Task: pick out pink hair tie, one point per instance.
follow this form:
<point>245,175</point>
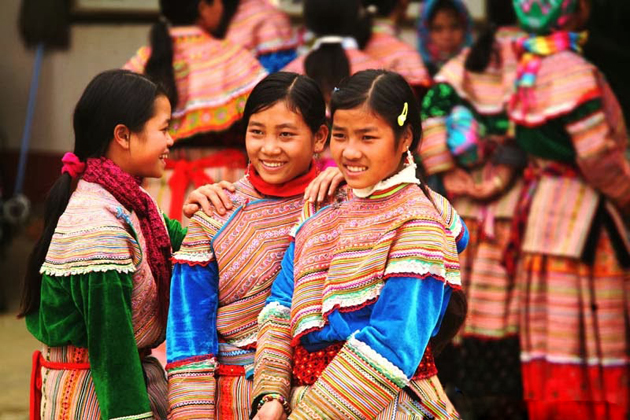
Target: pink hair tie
<point>72,165</point>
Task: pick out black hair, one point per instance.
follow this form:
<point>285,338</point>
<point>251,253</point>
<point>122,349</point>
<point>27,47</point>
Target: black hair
<point>443,5</point>
<point>178,13</point>
<point>500,13</point>
<point>111,98</point>
<point>328,64</point>
<point>301,94</point>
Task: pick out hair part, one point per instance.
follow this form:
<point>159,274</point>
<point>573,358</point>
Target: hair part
<point>111,98</point>
<point>300,93</point>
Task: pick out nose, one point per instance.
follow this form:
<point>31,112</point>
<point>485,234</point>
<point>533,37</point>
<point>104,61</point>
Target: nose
<point>169,139</point>
<point>270,147</point>
<point>351,152</point>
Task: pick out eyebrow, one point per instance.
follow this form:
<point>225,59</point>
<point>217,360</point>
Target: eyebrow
<point>286,125</point>
<point>254,123</point>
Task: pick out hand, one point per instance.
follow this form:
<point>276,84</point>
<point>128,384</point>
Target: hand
<point>458,182</point>
<point>325,184</point>
<point>209,197</point>
<point>485,190</point>
<point>271,410</point>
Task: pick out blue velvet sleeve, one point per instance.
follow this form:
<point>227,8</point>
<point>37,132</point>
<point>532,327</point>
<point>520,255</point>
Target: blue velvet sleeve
<point>276,61</point>
<point>191,330</point>
<point>406,315</point>
<point>464,236</point>
<point>282,288</point>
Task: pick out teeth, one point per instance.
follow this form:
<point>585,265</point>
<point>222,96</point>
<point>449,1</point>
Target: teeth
<point>356,168</point>
<point>273,164</point>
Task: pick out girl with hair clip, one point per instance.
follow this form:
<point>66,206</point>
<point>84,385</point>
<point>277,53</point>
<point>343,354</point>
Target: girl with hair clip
<point>356,310</point>
<point>444,28</point>
<point>569,239</point>
<point>207,80</point>
<point>264,30</point>
<point>335,53</point>
<point>385,46</point>
<point>96,290</point>
<point>469,143</point>
<point>229,259</point>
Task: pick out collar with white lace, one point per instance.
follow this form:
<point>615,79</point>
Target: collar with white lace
<point>407,175</point>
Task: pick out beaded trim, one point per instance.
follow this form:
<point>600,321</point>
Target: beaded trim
<point>270,397</point>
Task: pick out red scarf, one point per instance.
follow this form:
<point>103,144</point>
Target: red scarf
<point>288,189</point>
<point>126,190</point>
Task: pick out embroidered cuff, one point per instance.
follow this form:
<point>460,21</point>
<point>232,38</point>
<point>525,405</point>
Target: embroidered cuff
<point>191,388</point>
<point>358,384</point>
<point>274,354</point>
<point>147,415</point>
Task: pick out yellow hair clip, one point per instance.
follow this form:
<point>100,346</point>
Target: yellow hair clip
<point>403,115</point>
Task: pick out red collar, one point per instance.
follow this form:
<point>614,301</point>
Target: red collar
<point>288,189</point>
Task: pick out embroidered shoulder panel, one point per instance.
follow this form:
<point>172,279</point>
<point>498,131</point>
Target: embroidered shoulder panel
<point>344,254</point>
<point>565,81</point>
<point>94,234</point>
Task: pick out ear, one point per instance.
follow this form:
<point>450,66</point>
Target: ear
<point>407,138</point>
<point>320,138</point>
<point>122,136</point>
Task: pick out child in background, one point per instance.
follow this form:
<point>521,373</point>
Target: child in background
<point>385,46</point>
<point>97,286</point>
<point>444,28</point>
<point>468,142</point>
<point>569,249</point>
<point>208,81</point>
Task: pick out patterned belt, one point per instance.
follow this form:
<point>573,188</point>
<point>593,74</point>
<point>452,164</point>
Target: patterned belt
<point>308,366</point>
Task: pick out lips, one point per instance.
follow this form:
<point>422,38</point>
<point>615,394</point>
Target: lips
<point>268,164</point>
<point>355,169</point>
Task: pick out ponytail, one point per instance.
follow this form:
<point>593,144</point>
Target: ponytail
<point>56,203</point>
<point>160,65</point>
<point>482,51</point>
<point>327,65</point>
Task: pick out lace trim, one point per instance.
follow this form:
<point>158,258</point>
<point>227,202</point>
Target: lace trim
<point>387,368</point>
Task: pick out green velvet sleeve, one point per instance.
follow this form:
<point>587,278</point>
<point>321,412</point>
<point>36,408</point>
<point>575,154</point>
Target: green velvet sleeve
<point>104,300</point>
<point>176,232</point>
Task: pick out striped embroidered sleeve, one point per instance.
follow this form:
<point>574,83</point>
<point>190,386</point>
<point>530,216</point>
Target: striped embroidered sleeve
<point>436,107</point>
<point>274,354</point>
<point>600,138</point>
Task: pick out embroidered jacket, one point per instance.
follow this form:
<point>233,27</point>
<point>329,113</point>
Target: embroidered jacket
<point>98,293</point>
<point>374,274</point>
<point>213,78</point>
<point>221,279</point>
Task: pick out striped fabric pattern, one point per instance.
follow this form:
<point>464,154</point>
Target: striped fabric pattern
<point>564,81</point>
<point>234,398</point>
<point>433,149</point>
<point>396,55</point>
<point>213,79</point>
<point>70,394</point>
<point>344,255</point>
<point>358,60</point>
<point>191,388</point>
<point>261,28</point>
<point>274,354</point>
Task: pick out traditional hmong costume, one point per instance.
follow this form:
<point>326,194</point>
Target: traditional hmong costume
<point>397,55</point>
<point>433,58</point>
<point>264,30</point>
<point>362,290</point>
<point>221,279</point>
<point>466,126</point>
<point>213,78</point>
<point>102,296</point>
<point>573,275</point>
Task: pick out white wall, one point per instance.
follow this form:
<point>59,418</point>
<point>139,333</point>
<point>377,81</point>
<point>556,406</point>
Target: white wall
<point>64,75</point>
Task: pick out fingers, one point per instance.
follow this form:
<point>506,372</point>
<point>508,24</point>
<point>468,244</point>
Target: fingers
<point>189,210</point>
<point>227,185</point>
<point>334,185</point>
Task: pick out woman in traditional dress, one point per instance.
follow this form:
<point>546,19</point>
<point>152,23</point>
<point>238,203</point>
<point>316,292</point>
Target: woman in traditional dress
<point>366,282</point>
<point>573,273</point>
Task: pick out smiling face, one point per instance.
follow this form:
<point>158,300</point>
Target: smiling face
<point>280,145</point>
<point>148,148</point>
<point>365,148</point>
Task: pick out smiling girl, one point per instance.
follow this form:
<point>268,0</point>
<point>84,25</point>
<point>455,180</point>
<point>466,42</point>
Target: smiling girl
<point>228,261</point>
<point>366,283</point>
<point>97,285</point>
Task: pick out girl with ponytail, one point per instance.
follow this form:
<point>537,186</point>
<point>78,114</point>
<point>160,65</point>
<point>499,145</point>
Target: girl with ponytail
<point>96,291</point>
<point>469,146</point>
<point>207,80</point>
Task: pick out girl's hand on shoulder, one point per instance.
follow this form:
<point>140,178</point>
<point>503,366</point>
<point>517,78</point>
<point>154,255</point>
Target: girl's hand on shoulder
<point>211,198</point>
<point>271,410</point>
<point>324,185</point>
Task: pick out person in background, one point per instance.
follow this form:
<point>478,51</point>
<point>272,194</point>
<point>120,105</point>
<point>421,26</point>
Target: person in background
<point>263,30</point>
<point>444,28</point>
<point>96,290</point>
<point>347,330</point>
<point>385,46</point>
<point>569,247</point>
<point>469,143</point>
<point>207,80</point>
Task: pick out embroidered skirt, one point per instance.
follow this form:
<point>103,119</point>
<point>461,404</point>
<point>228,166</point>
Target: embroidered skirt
<point>574,334</point>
